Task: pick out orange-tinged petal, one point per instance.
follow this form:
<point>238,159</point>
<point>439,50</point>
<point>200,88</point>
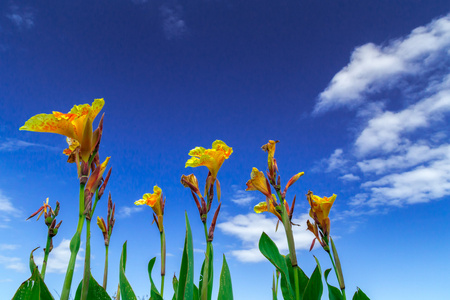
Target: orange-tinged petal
<point>50,123</point>
<point>258,182</point>
<point>210,158</point>
<point>320,209</point>
<point>152,200</point>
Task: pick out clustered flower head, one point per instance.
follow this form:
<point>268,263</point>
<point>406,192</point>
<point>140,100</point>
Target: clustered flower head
<point>259,182</point>
<point>107,227</point>
<point>156,202</point>
<point>320,209</point>
<point>49,219</point>
<point>212,159</point>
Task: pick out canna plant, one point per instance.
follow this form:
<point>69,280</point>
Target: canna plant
<point>83,150</point>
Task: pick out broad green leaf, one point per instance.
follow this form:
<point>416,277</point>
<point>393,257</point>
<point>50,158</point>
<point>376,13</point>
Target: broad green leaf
<point>210,272</point>
<point>225,287</point>
<point>196,293</point>
<point>126,292</point>
<point>303,280</point>
<point>154,294</point>
<point>95,290</point>
<point>314,288</point>
<point>33,289</point>
<point>333,292</point>
<point>270,251</point>
<point>359,295</point>
<point>185,287</point>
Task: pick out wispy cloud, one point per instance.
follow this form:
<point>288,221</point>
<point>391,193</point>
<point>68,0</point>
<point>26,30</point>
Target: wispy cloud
<point>248,229</point>
<point>14,145</point>
<point>21,17</point>
<point>7,210</point>
<point>374,67</point>
<point>173,25</point>
<point>9,247</point>
<point>241,197</point>
<point>402,154</point>
<point>58,258</point>
<point>12,263</point>
<point>127,211</point>
<point>336,161</point>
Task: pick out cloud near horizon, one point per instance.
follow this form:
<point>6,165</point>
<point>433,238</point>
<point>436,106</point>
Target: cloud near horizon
<point>401,149</point>
<point>248,229</point>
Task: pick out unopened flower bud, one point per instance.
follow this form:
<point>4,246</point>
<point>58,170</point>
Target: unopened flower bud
<point>48,221</point>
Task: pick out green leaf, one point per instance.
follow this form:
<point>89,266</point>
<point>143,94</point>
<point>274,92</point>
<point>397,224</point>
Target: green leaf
<point>333,292</point>
<point>33,289</point>
<point>175,287</point>
<point>270,251</point>
<point>359,295</point>
<point>32,263</point>
<point>196,293</point>
<point>225,287</point>
<point>126,292</point>
<point>95,290</point>
<point>314,288</point>
<point>303,280</point>
<point>185,287</point>
<point>274,288</point>
<point>154,293</point>
<point>210,272</point>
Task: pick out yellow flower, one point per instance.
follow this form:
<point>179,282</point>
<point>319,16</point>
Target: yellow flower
<point>262,207</point>
<point>258,182</point>
<point>210,158</point>
<point>191,182</point>
<point>76,125</point>
<point>270,148</point>
<point>156,202</point>
<point>152,200</point>
<point>320,208</point>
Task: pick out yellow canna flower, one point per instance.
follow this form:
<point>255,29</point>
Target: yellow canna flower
<point>76,125</point>
<point>153,200</point>
<point>320,208</point>
<point>258,182</point>
<point>262,207</point>
<point>210,158</point>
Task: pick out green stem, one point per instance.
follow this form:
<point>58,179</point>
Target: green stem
<point>47,251</point>
<point>74,248</point>
<point>205,282</point>
<point>105,272</point>
<point>87,262</point>
<point>336,272</point>
<point>163,260</point>
<point>291,243</point>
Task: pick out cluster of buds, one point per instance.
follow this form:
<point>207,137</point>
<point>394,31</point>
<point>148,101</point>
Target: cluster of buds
<point>95,183</point>
<point>259,182</point>
<point>49,219</point>
<point>107,227</point>
<point>203,206</point>
<point>320,208</point>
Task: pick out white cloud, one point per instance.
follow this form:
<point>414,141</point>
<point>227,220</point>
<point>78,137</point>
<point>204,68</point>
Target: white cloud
<point>23,18</point>
<point>373,67</point>
<point>401,148</point>
<point>334,162</point>
<point>388,131</point>
<point>12,263</point>
<point>174,27</point>
<point>58,259</point>
<point>350,177</point>
<point>126,211</point>
<point>242,197</point>
<point>248,229</point>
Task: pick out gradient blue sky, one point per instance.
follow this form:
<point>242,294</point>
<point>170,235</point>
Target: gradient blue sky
<point>358,93</point>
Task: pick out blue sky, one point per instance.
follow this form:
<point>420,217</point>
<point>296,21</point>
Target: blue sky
<point>357,92</point>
